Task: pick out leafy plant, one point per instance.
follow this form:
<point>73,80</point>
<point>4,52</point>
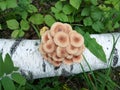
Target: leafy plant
<point>9,75</point>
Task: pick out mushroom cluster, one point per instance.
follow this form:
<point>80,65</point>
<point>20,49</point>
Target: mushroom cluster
<point>62,44</point>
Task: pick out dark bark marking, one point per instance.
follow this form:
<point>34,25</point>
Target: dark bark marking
<point>65,73</point>
<point>14,46</point>
<point>56,68</point>
<point>115,57</point>
<point>1,51</point>
<point>36,43</point>
<point>71,68</point>
<point>27,74</point>
<point>44,66</point>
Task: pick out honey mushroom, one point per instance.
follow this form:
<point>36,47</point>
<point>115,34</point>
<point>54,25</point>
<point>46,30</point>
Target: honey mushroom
<point>71,50</point>
<point>68,28</point>
<point>46,36</point>
<point>49,46</point>
<point>77,59</point>
<point>76,39</point>
<point>68,61</point>
<point>61,39</point>
<point>61,52</point>
<point>57,27</point>
<point>62,44</point>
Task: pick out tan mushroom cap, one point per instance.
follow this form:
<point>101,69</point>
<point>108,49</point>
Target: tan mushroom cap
<point>68,61</point>
<point>49,46</point>
<point>56,58</point>
<point>57,27</point>
<point>77,59</point>
<point>46,36</point>
<point>61,52</point>
<point>41,49</point>
<point>69,56</point>
<point>76,39</point>
<point>61,39</point>
<point>54,63</point>
<point>45,56</point>
<point>80,50</point>
<point>68,28</point>
<point>71,50</point>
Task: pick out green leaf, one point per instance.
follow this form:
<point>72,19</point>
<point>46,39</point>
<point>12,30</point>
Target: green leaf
<point>18,78</point>
<point>87,21</point>
<point>15,34</point>
<point>116,25</point>
<point>32,8</point>
<point>24,15</point>
<point>79,30</point>
<point>3,5</point>
<point>54,10</point>
<point>98,26</point>
<point>75,3</point>
<point>11,3</point>
<point>49,20</point>
<point>16,68</point>
<point>21,33</point>
<point>1,65</point>
<point>59,5</point>
<point>7,83</point>
<point>62,17</point>
<point>24,25</point>
<point>85,12</point>
<point>8,64</point>
<point>94,2</point>
<point>96,15</point>
<point>109,25</point>
<point>0,86</point>
<point>36,19</point>
<point>0,26</point>
<point>13,24</point>
<point>70,19</point>
<point>94,47</point>
<point>68,9</point>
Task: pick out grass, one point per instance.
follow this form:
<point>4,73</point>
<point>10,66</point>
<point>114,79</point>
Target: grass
<point>83,81</point>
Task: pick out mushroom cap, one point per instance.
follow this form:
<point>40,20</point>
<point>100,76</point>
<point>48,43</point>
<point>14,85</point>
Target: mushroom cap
<point>80,50</point>
<point>71,50</point>
<point>61,52</point>
<point>54,63</point>
<point>68,28</point>
<point>77,59</point>
<point>68,61</point>
<point>61,39</point>
<point>56,58</point>
<point>76,39</point>
<point>46,36</point>
<point>57,27</point>
<point>46,57</point>
<point>69,56</point>
<point>41,49</point>
<point>49,46</point>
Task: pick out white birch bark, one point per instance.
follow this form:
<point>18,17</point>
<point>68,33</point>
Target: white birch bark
<point>26,56</point>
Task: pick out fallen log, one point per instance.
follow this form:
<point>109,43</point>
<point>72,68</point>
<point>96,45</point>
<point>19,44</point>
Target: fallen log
<point>26,56</point>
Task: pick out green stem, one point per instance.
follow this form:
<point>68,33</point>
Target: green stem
<point>36,30</point>
<point>90,70</point>
<point>86,77</point>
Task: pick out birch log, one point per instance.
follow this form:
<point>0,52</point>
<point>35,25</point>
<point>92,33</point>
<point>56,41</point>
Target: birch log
<point>26,56</point>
